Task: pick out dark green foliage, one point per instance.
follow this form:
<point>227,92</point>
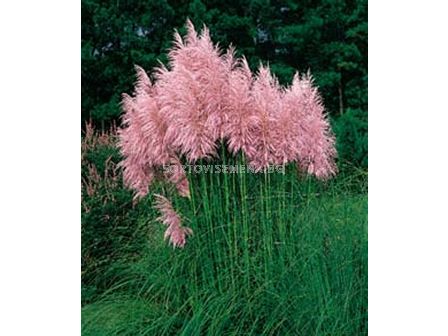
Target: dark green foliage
<point>328,37</point>
<point>351,135</point>
<point>115,36</point>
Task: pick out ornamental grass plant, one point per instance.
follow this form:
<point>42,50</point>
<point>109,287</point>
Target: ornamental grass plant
<point>264,252</point>
<point>206,99</point>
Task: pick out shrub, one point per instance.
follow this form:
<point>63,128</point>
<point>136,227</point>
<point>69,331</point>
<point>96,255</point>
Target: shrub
<point>351,137</point>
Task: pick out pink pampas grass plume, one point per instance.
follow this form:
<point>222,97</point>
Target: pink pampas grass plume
<point>137,173</point>
<point>175,232</point>
<point>239,115</point>
<point>190,95</point>
<point>313,141</point>
<point>266,103</point>
<point>176,174</point>
<point>141,139</point>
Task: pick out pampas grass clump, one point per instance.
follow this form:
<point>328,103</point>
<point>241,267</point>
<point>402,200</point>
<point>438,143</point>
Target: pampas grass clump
<point>204,97</point>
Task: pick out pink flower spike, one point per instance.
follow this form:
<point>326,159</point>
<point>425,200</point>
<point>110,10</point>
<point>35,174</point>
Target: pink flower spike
<point>176,233</point>
<point>315,141</point>
<point>190,95</point>
<point>177,176</point>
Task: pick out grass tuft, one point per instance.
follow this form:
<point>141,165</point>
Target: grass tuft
<point>271,255</point>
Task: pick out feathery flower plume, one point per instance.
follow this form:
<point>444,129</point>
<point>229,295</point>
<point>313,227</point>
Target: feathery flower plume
<point>177,176</point>
<point>137,173</point>
<point>175,232</point>
<point>266,104</point>
<point>141,138</point>
<point>239,115</point>
<point>190,95</point>
<point>316,143</point>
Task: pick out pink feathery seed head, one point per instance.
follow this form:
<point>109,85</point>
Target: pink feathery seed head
<point>290,121</point>
<point>229,58</point>
<point>316,145</point>
<point>143,85</point>
<point>175,232</point>
<point>176,174</point>
<point>192,35</point>
<point>239,114</point>
<point>136,174</point>
<point>184,49</point>
<point>266,95</point>
<point>183,187</point>
<point>141,137</point>
<point>190,95</point>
